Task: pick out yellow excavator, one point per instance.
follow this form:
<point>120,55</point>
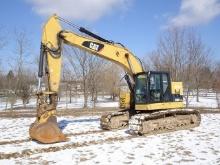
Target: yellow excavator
<point>153,105</point>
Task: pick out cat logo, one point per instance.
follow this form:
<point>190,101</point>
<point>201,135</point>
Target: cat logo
<point>93,45</point>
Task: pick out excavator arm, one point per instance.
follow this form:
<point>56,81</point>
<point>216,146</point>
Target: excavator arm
<point>45,129</point>
<point>54,37</point>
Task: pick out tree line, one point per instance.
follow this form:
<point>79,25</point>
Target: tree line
<point>179,51</point>
<point>82,74</point>
<point>18,82</point>
<point>94,75</point>
<point>188,59</point>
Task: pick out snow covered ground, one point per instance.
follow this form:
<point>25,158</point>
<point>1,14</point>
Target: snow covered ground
<point>206,100</point>
<point>90,145</point>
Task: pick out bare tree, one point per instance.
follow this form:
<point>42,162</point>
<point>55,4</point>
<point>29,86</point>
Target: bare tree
<point>69,81</point>
<point>111,80</point>
<point>152,61</point>
<point>10,88</point>
<point>198,62</point>
<point>23,76</point>
<point>216,77</point>
<point>24,86</point>
<point>97,67</point>
<point>170,54</point>
<point>216,82</point>
<point>184,55</point>
<point>95,74</point>
<point>80,66</point>
<point>3,42</point>
<point>79,62</point>
<point>3,39</point>
<point>22,48</point>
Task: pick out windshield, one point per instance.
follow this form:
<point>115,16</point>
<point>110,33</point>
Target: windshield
<point>141,88</point>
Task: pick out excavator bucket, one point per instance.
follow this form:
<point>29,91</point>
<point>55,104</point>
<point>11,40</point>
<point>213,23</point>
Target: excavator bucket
<point>45,129</point>
<point>47,132</point>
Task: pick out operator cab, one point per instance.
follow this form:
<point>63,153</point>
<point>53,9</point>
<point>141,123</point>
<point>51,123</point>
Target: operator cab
<point>153,87</point>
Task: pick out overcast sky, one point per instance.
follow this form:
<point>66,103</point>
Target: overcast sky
<point>135,23</point>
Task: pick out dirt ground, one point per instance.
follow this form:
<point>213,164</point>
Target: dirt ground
<point>17,113</point>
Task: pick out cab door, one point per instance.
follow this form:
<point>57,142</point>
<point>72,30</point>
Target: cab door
<point>159,87</point>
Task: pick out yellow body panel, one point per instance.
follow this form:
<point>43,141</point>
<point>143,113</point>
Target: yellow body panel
<point>177,88</point>
<point>159,106</point>
<point>124,100</point>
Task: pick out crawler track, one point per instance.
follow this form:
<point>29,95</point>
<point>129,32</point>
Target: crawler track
<point>164,121</point>
<point>116,120</point>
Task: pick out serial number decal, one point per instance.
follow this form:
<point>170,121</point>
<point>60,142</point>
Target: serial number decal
<point>93,45</point>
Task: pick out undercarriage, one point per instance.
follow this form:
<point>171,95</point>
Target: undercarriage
<point>152,123</point>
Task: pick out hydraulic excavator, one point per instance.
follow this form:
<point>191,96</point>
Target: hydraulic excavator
<point>155,102</point>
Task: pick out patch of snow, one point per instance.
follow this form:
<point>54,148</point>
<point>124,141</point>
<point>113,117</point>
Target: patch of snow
<point>204,101</point>
<point>199,145</point>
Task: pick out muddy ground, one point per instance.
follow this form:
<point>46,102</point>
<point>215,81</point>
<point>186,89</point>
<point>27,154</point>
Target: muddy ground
<point>17,113</point>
